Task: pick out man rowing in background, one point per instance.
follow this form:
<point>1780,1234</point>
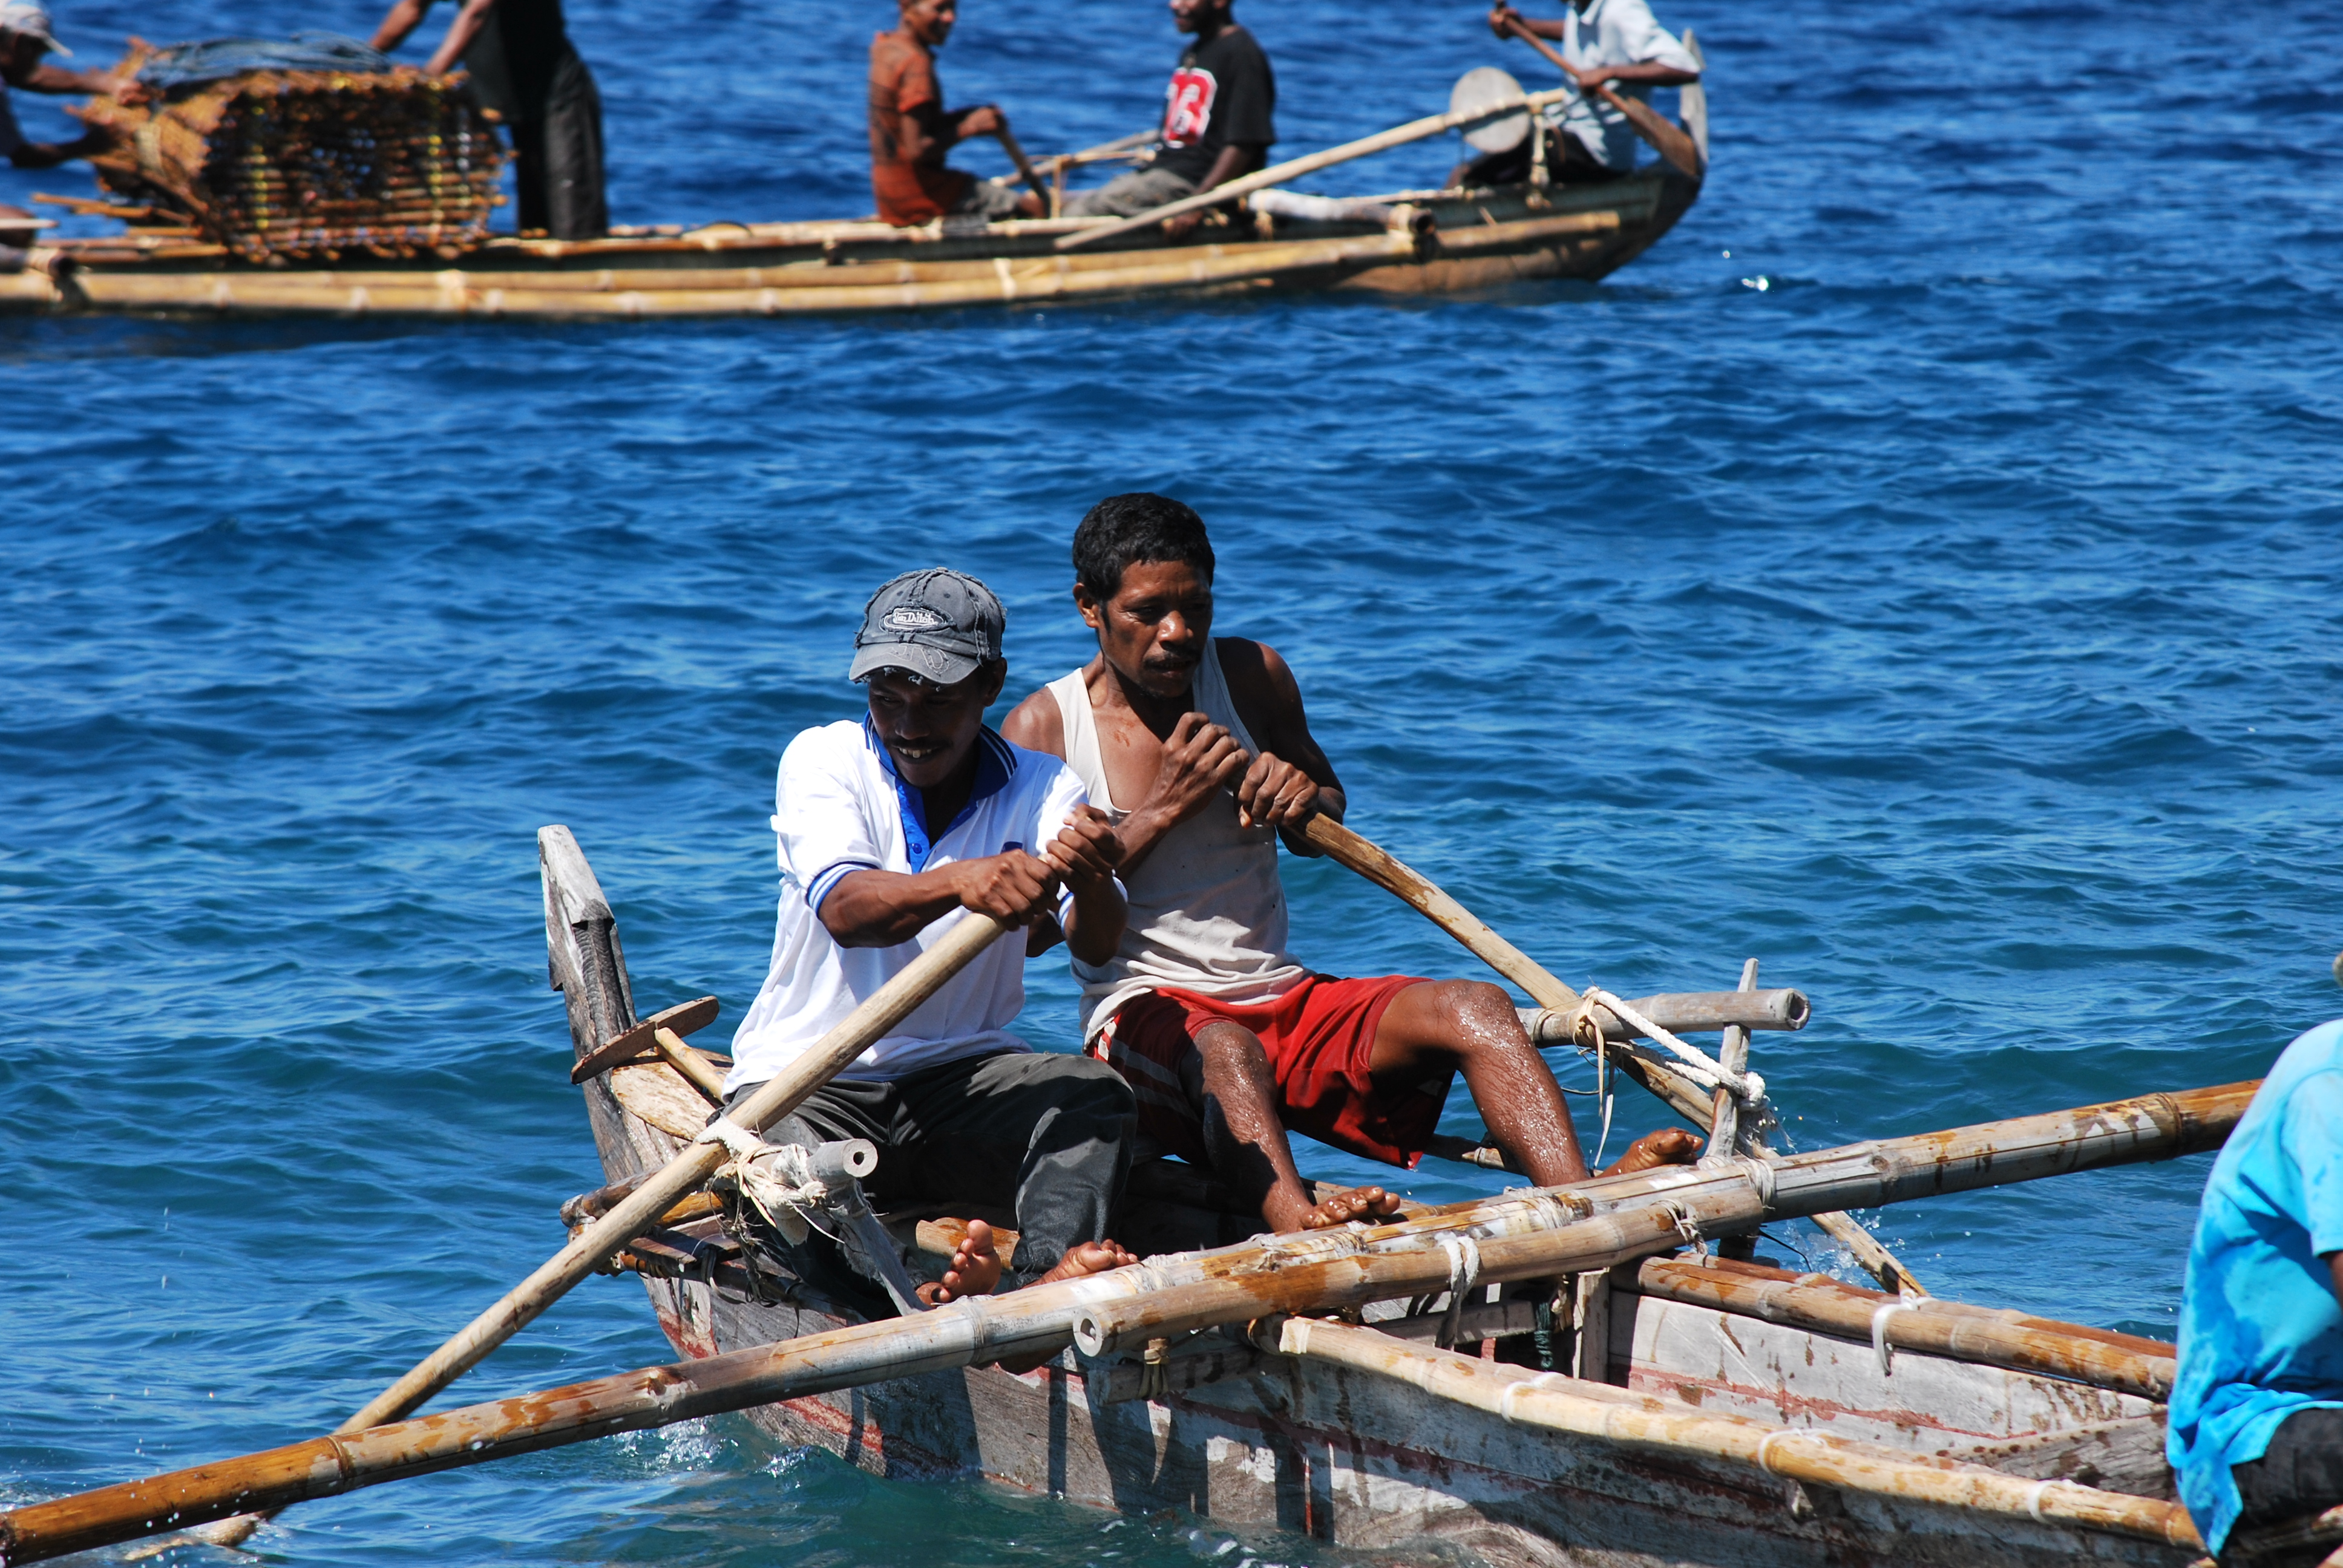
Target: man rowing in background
<point>1225,1038</point>
<point>1218,121</point>
<point>1614,43</point>
<point>911,131</point>
<point>891,830</point>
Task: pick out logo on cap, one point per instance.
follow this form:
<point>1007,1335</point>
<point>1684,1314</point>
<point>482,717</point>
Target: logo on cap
<point>913,618</point>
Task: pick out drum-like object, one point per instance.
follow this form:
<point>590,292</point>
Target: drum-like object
<point>1484,86</point>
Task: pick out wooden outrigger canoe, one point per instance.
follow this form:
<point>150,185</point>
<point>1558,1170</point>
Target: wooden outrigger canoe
<point>1697,1411</point>
<point>1410,243</point>
<point>1634,1401</point>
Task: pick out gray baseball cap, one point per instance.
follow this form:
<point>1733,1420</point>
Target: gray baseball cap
<point>939,625</point>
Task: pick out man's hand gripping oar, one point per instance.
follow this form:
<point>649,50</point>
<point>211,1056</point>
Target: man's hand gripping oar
<point>1668,138</point>
<point>686,1174</point>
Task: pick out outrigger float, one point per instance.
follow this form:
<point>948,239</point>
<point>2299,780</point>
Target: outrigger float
<point>1580,1375</point>
<point>1407,242</point>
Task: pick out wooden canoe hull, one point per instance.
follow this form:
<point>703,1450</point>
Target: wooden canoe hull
<point>1256,1443</point>
<point>1488,241</point>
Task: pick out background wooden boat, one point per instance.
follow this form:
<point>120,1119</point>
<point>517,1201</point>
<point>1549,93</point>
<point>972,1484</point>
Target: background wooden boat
<point>1418,243</point>
<point>1255,1440</point>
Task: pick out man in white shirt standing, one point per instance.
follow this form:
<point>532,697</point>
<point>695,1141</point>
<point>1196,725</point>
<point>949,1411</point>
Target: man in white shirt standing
<point>892,830</point>
<point>1617,44</point>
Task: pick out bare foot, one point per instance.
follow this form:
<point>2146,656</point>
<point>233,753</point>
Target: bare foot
<point>1090,1258</point>
<point>1356,1203</point>
<point>1668,1146</point>
<point>975,1268</point>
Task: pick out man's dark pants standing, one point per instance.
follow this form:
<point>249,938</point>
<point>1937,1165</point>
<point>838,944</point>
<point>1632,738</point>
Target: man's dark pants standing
<point>558,159</point>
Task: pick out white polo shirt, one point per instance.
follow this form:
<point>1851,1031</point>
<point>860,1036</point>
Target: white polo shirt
<point>839,808</point>
<point>1614,33</point>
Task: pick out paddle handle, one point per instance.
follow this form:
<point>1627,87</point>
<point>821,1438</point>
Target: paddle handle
<point>1670,141</point>
<point>1025,167</point>
<point>1386,871</point>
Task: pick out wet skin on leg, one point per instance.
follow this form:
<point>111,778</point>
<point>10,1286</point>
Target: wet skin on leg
<point>1229,1081</point>
<point>1471,1025</point>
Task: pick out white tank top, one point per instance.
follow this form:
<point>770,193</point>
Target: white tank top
<point>1207,908</point>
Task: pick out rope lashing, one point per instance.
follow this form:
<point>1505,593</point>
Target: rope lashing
<point>1767,1441</point>
<point>791,1201</point>
<point>1513,1392</point>
<point>1748,1088</point>
<point>1463,1273</point>
<point>1885,1352</point>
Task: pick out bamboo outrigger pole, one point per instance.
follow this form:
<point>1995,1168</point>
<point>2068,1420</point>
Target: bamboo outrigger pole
<point>1532,1235</point>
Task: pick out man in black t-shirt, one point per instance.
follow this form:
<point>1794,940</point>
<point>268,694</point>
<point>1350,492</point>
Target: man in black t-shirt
<point>524,68</point>
<point>1217,123</point>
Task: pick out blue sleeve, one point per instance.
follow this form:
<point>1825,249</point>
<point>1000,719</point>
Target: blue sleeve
<point>2311,1133</point>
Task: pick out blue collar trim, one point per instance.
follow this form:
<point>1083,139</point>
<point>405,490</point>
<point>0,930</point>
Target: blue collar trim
<point>996,764</point>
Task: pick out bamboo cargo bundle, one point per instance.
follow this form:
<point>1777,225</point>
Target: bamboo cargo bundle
<point>1523,1235</point>
<point>1608,1414</point>
<point>290,164</point>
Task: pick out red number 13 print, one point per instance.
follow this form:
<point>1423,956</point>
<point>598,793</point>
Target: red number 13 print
<point>1188,106</point>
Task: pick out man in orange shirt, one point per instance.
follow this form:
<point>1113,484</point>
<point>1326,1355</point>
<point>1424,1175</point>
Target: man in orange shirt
<point>911,130</point>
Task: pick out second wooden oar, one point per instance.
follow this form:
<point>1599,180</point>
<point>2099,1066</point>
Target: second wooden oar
<point>1411,887</point>
<point>1025,169</point>
<point>600,1241</point>
<point>1387,871</point>
<point>1670,141</point>
<point>1398,136</point>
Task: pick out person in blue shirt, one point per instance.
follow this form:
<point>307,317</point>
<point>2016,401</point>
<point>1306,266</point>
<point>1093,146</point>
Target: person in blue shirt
<point>2257,1412</point>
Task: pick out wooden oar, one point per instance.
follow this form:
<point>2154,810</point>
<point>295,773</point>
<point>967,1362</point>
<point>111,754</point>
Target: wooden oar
<point>1522,1235</point>
<point>1025,167</point>
<point>686,1172</point>
<point>1398,136</point>
<point>1670,139</point>
<point>1384,869</point>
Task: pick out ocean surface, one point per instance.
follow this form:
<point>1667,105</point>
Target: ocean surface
<point>1919,572</point>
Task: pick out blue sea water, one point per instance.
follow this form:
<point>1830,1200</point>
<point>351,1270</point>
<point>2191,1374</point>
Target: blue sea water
<point>1919,572</point>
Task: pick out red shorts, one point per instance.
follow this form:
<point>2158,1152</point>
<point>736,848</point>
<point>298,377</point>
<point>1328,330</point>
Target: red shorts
<point>1319,1038</point>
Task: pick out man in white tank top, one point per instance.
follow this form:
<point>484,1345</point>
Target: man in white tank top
<point>1198,748</point>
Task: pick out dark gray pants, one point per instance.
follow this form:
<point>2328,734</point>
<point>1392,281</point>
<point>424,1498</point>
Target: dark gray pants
<point>558,159</point>
<point>2300,1473</point>
<point>1045,1136</point>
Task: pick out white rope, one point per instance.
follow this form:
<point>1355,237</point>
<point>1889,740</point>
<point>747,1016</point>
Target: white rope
<point>1747,1088</point>
<point>792,1208</point>
<point>1686,1226</point>
<point>1512,1390</point>
<point>1766,1443</point>
<point>1885,1352</point>
<point>1463,1273</point>
<point>1603,1096</point>
<point>743,1143</point>
<point>2034,1497</point>
<point>1761,1176</point>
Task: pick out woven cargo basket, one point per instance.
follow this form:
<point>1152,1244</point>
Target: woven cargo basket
<point>312,164</point>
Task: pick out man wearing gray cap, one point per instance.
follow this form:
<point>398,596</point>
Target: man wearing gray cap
<point>26,36</point>
<point>892,830</point>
